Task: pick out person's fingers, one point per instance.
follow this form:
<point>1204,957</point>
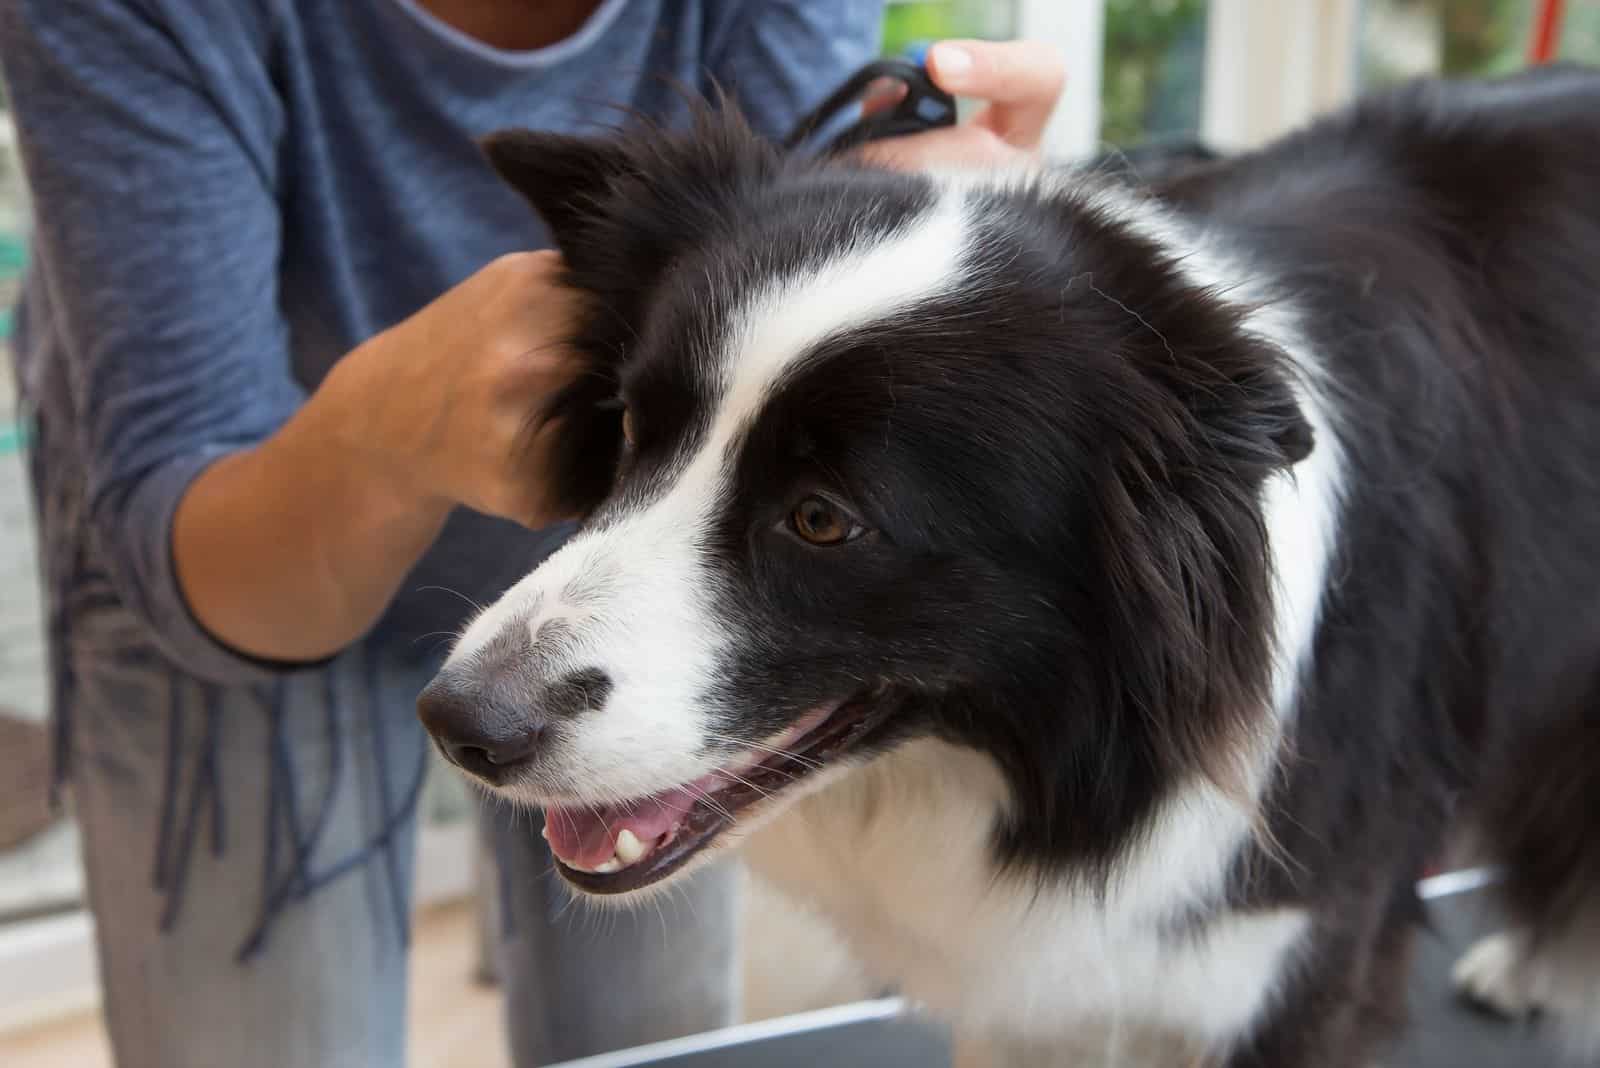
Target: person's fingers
<point>1021,80</point>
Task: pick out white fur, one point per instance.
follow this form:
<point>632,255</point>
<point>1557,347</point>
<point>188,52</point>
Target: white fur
<point>1494,974</point>
<point>634,591</point>
<point>1559,975</point>
<point>897,856</point>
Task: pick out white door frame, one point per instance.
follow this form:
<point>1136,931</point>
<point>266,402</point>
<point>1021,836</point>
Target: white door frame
<point>1271,65</point>
<point>1077,28</point>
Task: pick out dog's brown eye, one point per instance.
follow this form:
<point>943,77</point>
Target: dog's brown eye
<point>627,426</point>
<point>821,522</point>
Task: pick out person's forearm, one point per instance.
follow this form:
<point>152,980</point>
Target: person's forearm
<point>292,549</point>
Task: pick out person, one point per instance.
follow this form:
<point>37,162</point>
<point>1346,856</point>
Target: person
<point>275,469</point>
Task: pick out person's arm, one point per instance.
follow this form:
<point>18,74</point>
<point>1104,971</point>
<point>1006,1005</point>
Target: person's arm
<point>238,525</point>
<point>291,549</point>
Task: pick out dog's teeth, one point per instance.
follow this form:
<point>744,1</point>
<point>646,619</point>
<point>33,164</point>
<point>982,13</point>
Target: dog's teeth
<point>628,848</point>
<point>612,865</point>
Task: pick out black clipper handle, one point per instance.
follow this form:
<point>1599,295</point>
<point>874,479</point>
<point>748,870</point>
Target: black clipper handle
<point>924,107</point>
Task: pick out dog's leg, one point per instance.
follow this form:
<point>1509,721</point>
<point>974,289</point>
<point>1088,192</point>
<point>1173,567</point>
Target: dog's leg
<point>1540,818</point>
<point>1348,996</point>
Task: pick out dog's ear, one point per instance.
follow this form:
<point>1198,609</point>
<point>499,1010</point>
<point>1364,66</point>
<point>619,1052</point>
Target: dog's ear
<point>566,180</point>
<point>1247,406</point>
<point>562,176</point>
<point>1200,411</point>
<point>622,208</point>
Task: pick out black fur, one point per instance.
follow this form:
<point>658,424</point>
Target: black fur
<point>1061,465</point>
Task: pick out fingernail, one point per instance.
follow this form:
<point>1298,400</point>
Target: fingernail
<point>952,60</point>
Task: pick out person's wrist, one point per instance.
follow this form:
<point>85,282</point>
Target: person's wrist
<point>329,436</point>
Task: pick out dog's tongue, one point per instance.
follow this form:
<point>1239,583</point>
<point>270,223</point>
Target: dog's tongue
<point>584,837</point>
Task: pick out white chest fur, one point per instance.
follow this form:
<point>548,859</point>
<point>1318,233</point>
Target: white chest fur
<point>896,855</point>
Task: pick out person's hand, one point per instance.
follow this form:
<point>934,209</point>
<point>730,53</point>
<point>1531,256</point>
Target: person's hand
<point>1020,81</point>
<point>440,405</point>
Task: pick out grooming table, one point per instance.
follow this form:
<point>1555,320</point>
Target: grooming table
<point>881,1034</point>
<point>1444,1033</point>
<point>877,1033</point>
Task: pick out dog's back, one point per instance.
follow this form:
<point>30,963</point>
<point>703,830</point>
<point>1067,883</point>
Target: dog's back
<point>1443,244</point>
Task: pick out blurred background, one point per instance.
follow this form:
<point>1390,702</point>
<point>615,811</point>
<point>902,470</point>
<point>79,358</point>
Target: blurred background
<point>1232,72</point>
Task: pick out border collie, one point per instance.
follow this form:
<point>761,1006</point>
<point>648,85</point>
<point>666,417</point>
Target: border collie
<point>1105,596</point>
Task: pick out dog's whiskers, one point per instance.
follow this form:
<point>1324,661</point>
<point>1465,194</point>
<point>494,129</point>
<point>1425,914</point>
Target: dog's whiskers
<point>747,782</point>
<point>707,800</point>
<point>788,754</point>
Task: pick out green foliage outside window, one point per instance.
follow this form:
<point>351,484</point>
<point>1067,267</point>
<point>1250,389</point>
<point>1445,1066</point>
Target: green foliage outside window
<point>1155,49</point>
<point>1470,37</point>
<point>1154,55</point>
<point>1455,37</point>
<point>907,24</point>
<point>1154,68</point>
<point>1580,35</point>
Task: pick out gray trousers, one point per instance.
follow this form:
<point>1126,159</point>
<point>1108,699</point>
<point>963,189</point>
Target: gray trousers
<point>249,861</point>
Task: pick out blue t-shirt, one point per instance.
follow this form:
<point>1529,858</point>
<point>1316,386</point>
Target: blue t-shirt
<point>231,196</point>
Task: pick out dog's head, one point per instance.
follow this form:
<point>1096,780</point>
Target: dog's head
<point>867,456</point>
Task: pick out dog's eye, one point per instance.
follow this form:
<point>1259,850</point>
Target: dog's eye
<point>818,521</point>
<point>627,427</point>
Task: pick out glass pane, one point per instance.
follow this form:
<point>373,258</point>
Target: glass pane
<point>1154,70</point>
<point>910,23</point>
<point>1580,32</point>
<point>38,848</point>
<point>1402,39</point>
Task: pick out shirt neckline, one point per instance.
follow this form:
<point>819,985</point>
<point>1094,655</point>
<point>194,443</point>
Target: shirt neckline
<point>592,29</point>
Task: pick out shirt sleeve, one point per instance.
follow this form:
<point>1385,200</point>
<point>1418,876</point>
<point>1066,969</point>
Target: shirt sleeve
<point>157,238</point>
<point>781,58</point>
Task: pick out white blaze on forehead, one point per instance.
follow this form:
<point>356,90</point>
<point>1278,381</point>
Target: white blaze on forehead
<point>784,320</point>
<point>788,317</point>
<point>634,595</point>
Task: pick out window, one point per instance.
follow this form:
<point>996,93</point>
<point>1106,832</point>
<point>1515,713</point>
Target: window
<point>1402,39</point>
<point>1147,55</point>
<point>38,854</point>
<point>1154,70</point>
<point>908,23</point>
<point>1580,32</point>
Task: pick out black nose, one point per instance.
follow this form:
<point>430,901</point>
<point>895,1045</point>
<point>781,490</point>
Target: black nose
<point>491,723</point>
<point>479,732</point>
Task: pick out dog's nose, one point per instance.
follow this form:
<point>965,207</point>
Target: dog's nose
<point>479,732</point>
<point>492,723</point>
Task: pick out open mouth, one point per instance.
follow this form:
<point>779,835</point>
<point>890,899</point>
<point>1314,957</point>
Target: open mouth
<point>612,849</point>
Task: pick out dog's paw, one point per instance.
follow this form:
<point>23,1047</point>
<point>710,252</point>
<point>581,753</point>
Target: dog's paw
<point>1556,979</point>
<point>1496,975</point>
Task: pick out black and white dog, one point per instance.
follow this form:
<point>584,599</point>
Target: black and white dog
<point>1106,598</point>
